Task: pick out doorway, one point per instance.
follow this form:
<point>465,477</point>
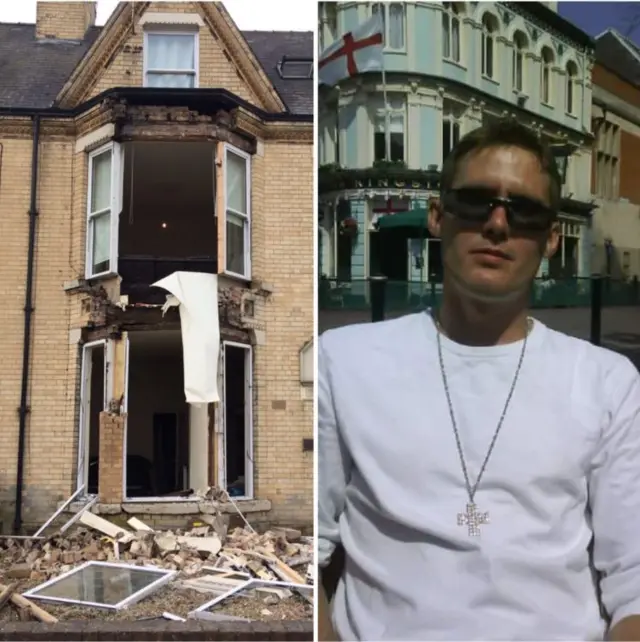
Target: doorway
<point>157,432</point>
<point>94,396</point>
<point>388,255</point>
<point>237,457</point>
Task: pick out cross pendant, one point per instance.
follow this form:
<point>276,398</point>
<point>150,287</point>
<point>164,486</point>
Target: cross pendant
<point>473,519</point>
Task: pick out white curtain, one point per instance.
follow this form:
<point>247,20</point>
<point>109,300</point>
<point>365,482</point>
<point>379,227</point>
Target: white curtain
<point>170,52</point>
<point>101,240</point>
<point>101,182</point>
<point>236,183</point>
<point>396,26</point>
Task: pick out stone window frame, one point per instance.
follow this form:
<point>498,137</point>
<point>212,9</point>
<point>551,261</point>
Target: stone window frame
<point>386,8</point>
<point>452,15</point>
<point>397,111</point>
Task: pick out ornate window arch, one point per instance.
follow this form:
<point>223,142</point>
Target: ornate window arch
<point>452,13</point>
<point>571,87</point>
<point>546,74</point>
<point>520,47</point>
<point>490,29</point>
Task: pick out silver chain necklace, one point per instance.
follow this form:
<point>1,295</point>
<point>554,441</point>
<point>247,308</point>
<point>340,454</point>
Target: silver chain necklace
<point>472,518</point>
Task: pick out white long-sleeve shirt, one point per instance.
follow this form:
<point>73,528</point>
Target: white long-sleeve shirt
<point>566,466</point>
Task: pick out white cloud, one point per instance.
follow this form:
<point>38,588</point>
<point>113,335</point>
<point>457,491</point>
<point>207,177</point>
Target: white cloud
<point>271,15</point>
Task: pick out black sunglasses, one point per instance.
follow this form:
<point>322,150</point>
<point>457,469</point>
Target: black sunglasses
<point>475,205</point>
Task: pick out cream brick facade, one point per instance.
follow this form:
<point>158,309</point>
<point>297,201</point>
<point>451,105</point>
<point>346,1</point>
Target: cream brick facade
<point>282,256</point>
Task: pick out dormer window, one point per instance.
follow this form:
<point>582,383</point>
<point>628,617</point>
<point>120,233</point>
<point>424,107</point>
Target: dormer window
<point>171,59</point>
<point>290,68</point>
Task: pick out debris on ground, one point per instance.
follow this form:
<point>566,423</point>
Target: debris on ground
<point>209,562</point>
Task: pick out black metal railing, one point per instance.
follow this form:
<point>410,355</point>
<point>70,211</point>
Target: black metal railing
<point>380,298</point>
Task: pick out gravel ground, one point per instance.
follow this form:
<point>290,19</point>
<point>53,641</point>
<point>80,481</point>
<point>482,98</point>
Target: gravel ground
<point>176,601</point>
<point>294,608</point>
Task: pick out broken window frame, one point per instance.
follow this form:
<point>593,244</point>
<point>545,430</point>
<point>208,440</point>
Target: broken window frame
<point>252,583</point>
<point>248,419</point>
<point>115,207</point>
<point>169,30</point>
<point>84,429</point>
<point>244,216</point>
<point>164,577</point>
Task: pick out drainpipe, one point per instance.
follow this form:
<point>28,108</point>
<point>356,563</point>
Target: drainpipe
<point>23,410</point>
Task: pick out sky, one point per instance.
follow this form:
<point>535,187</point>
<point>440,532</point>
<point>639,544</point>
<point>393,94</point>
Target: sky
<point>596,17</point>
<point>274,15</point>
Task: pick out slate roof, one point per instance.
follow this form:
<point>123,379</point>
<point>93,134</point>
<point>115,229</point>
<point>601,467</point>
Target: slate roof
<point>620,55</point>
<point>269,48</point>
<point>32,72</point>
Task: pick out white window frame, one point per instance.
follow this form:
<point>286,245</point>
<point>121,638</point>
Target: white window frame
<point>249,457</point>
<point>194,33</point>
<point>451,13</point>
<point>386,6</point>
<point>450,120</point>
<point>245,216</point>
<point>380,115</point>
<point>84,429</point>
<point>115,207</point>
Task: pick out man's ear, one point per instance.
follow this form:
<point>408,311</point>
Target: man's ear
<point>434,221</point>
<point>551,245</point>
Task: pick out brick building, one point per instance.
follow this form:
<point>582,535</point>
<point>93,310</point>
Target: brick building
<point>165,144</point>
<point>616,126</point>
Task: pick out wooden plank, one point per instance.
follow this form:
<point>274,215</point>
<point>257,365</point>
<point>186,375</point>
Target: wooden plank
<point>6,594</point>
<point>107,528</point>
<point>23,603</point>
<point>139,525</point>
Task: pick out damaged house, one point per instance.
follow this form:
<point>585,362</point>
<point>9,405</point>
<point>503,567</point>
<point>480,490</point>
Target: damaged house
<point>156,217</point>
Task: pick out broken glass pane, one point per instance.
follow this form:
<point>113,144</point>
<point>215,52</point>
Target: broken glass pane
<point>102,584</point>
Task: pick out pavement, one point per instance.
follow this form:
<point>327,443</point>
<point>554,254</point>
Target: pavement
<point>620,325</point>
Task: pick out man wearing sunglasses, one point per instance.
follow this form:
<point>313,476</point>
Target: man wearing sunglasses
<point>480,470</point>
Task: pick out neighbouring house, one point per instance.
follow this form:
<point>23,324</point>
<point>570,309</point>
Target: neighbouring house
<point>156,216</point>
<point>450,67</point>
<point>616,126</point>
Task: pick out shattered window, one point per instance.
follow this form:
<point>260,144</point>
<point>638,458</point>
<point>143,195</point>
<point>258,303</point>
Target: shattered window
<point>102,584</point>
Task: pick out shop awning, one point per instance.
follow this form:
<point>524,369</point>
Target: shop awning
<point>412,223</point>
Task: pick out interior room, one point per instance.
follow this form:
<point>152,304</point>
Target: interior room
<point>157,443</point>
<point>167,221</point>
<point>93,401</point>
<point>237,420</point>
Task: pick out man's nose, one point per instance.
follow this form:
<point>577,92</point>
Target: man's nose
<point>498,221</point>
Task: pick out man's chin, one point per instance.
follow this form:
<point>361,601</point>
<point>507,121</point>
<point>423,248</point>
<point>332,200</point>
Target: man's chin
<point>490,289</point>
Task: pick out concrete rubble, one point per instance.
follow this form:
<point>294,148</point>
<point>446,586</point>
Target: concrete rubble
<point>209,560</point>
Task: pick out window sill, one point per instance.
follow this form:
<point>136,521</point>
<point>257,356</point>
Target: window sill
<point>99,278</point>
<point>235,276</point>
<point>184,506</point>
<point>456,63</point>
<point>574,116</point>
<point>402,50</point>
<point>490,79</point>
<point>544,104</point>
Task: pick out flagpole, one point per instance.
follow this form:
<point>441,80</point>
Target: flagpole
<point>387,133</point>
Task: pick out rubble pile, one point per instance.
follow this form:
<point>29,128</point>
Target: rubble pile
<point>206,558</point>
